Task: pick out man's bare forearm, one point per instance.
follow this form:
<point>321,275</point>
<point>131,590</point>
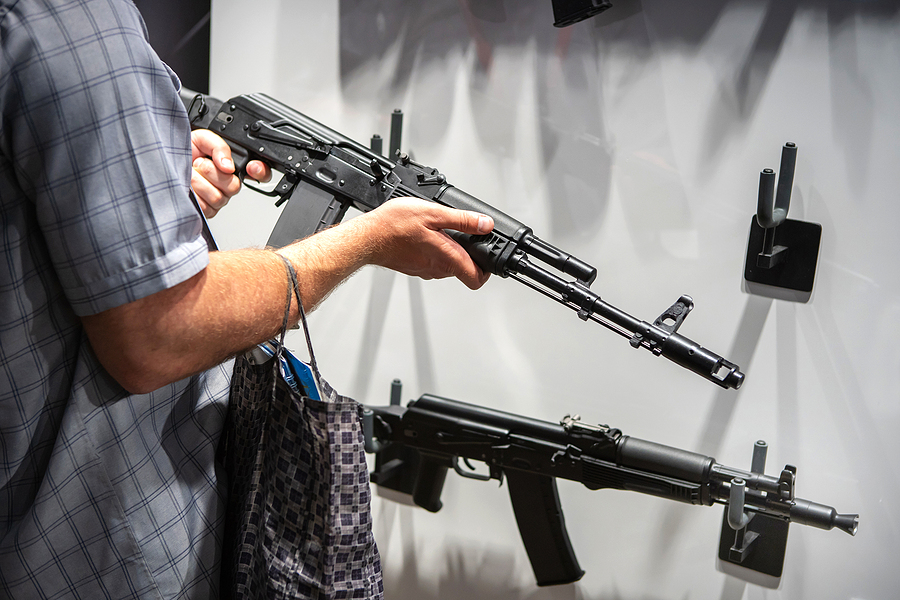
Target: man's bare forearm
<point>238,300</point>
<point>235,303</point>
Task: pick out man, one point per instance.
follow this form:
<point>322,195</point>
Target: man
<point>117,323</point>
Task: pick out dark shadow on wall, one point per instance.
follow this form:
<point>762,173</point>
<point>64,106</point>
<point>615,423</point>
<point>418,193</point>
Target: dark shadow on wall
<point>430,37</point>
<point>492,575</point>
<point>179,32</point>
<point>677,24</point>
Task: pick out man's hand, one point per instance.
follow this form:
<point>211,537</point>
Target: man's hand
<point>405,234</point>
<point>412,240</point>
<point>213,178</point>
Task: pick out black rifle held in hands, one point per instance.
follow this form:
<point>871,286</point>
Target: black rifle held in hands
<point>416,445</point>
<point>324,173</point>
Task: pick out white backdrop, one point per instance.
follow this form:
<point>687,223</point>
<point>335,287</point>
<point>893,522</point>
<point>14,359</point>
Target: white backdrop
<point>633,140</point>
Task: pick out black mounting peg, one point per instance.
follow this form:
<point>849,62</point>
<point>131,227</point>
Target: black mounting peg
<point>376,144</point>
<point>396,133</point>
<point>781,253</point>
<point>772,208</point>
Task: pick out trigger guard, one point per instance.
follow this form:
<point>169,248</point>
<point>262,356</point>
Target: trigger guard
<point>469,474</point>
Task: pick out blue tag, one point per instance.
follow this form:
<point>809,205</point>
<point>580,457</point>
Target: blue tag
<point>304,375</point>
<point>295,372</point>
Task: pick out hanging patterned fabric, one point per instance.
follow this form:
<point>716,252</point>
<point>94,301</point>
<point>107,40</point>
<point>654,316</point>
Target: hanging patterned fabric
<point>299,522</point>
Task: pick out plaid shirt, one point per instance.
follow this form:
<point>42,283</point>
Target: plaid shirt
<point>102,494</point>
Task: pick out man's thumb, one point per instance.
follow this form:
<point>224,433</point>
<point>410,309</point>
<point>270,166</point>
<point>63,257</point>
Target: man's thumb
<point>475,223</point>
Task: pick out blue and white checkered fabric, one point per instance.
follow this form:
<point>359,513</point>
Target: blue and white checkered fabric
<point>102,494</point>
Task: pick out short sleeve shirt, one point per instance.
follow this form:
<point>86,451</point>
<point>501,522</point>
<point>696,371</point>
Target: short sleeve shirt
<point>102,494</point>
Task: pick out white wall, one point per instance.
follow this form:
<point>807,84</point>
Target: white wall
<point>633,140</point>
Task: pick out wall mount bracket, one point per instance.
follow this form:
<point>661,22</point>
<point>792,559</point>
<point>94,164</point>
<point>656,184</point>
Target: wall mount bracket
<point>754,540</point>
<point>782,253</point>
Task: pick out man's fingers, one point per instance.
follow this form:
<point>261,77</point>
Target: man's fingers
<point>227,183</point>
<point>470,222</point>
<point>223,160</point>
<point>206,143</point>
<point>466,270</point>
<point>259,171</point>
<point>208,196</point>
<point>466,221</point>
<point>454,261</point>
<point>473,278</point>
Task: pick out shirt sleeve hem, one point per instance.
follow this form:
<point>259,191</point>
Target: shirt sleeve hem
<point>123,287</point>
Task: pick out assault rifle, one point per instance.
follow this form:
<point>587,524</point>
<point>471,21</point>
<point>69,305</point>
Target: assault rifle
<point>324,173</point>
<point>416,445</point>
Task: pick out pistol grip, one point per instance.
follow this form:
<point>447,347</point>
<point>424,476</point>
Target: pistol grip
<point>430,476</point>
<point>241,158</point>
